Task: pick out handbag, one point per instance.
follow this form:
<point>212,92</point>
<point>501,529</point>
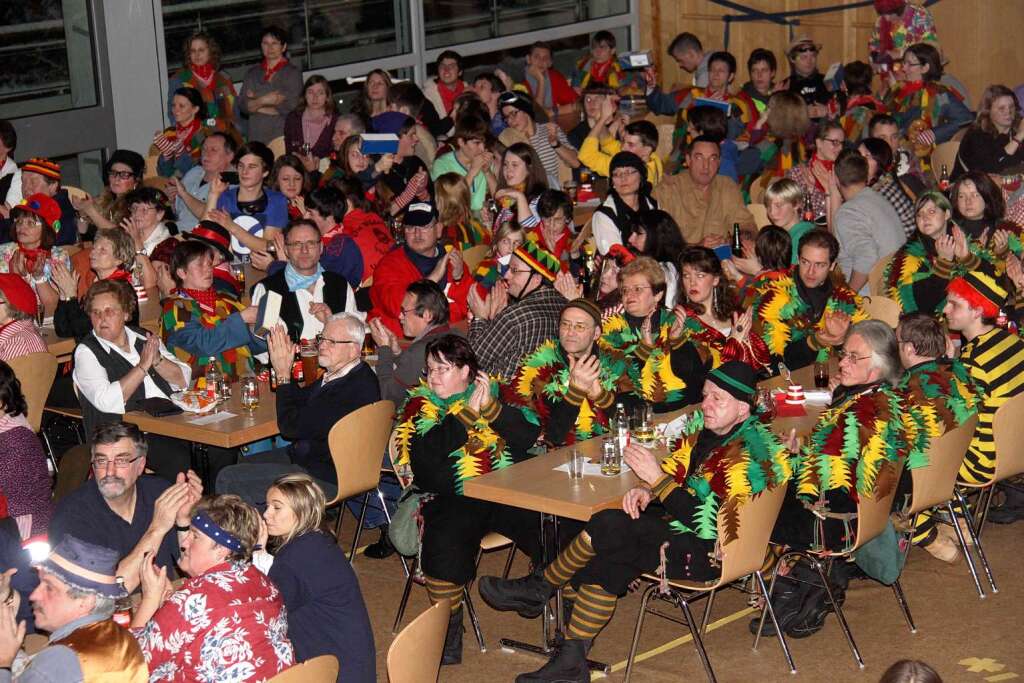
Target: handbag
<point>881,557</point>
<point>404,530</point>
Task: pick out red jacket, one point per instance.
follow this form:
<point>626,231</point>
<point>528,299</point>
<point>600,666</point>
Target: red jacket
<point>394,273</point>
<point>371,235</point>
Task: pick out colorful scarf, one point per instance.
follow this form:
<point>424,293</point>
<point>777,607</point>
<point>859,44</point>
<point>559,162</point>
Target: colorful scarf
<point>649,368</point>
<point>204,74</point>
<point>544,376</point>
<point>712,344</point>
<point>751,460</point>
<point>120,274</point>
<point>484,450</point>
<point>855,446</point>
<point>206,298</point>
<point>943,396</point>
<point>913,264</point>
<point>785,316</point>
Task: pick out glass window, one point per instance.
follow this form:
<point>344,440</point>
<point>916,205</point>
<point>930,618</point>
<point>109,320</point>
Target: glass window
<point>46,57</point>
<point>322,33</point>
<point>450,22</point>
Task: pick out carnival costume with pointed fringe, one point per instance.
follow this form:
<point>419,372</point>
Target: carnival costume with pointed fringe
<point>916,278</point>
<point>717,348</point>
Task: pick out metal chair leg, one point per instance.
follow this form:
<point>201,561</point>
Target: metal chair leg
<point>383,505</point>
<point>897,590</point>
<point>473,619</point>
<point>359,528</point>
<point>49,450</point>
<point>768,597</point>
<point>636,631</point>
<point>984,503</point>
<point>978,548</point>
<point>508,561</point>
<point>759,579</point>
<point>963,546</point>
<point>337,525</point>
<point>697,640</point>
<point>707,613</point>
<point>839,612</point>
<point>402,604</point>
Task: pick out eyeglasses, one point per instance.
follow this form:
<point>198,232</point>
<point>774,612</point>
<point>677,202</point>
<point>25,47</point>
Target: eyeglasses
<point>100,462</point>
<point>570,326</point>
<point>407,311</point>
<point>309,245</point>
<point>437,370</point>
<point>520,270</point>
<point>834,141</point>
<point>909,64</point>
<point>320,339</point>
<point>852,357</point>
<point>422,228</point>
<point>635,289</point>
<point>121,175</point>
<point>805,50</point>
<point>622,173</point>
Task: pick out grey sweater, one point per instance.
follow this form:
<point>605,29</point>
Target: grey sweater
<point>868,228</point>
<point>398,374</point>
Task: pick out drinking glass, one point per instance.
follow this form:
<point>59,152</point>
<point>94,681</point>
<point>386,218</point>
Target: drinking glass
<point>642,424</point>
<point>821,375</point>
<point>250,393</point>
<point>611,458</point>
<point>576,465</point>
<point>310,362</point>
<point>766,403</point>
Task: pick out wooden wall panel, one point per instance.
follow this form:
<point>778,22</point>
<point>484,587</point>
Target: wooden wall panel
<point>976,35</point>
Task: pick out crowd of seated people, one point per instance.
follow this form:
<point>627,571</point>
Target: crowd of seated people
<point>507,311</point>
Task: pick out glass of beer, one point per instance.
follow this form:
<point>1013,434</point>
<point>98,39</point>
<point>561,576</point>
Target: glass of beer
<point>642,424</point>
<point>821,375</point>
<point>310,364</point>
<point>611,458</point>
<point>250,393</point>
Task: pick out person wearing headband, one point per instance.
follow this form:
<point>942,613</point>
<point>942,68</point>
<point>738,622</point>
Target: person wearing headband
<point>74,601</point>
<point>618,546</point>
<point>995,359</point>
<point>184,642</point>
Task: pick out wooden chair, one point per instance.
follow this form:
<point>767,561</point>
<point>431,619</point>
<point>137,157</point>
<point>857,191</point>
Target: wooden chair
<point>935,486</point>
<point>36,372</point>
<point>415,653</point>
<point>872,518</point>
<point>358,442</point>
<point>151,158</point>
<point>157,183</point>
<point>75,465</point>
<point>75,192</point>
<point>277,146</point>
<point>474,255</point>
<point>876,286</point>
<point>944,154</point>
<point>882,308</point>
<point>741,556</point>
<point>760,215</point>
<point>490,542</point>
<point>322,669</point>
<point>1008,431</point>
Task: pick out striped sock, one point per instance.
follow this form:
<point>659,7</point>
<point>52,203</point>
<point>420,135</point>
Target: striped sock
<point>593,610</point>
<point>925,530</point>
<point>569,593</point>
<point>439,590</point>
<point>569,561</point>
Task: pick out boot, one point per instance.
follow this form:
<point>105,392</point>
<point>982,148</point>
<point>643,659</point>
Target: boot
<point>453,640</point>
<point>812,614</point>
<point>568,664</point>
<point>1012,508</point>
<point>945,546</point>
<point>786,601</point>
<point>526,595</point>
<point>382,548</point>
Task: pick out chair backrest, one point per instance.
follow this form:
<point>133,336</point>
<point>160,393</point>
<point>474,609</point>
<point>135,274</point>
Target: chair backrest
<point>277,146</point>
<point>358,442</point>
<point>933,483</point>
<point>75,465</point>
<point>474,255</point>
<point>403,474</point>
<point>75,192</point>
<point>151,158</point>
<point>882,308</point>
<point>415,653</point>
<point>873,513</point>
<point>322,669</point>
<point>156,182</point>
<point>875,284</point>
<point>1008,430</point>
<point>745,553</point>
<point>760,215</point>
<point>944,155</point>
<point>36,372</point>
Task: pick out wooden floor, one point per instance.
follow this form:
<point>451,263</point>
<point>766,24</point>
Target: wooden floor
<point>964,638</point>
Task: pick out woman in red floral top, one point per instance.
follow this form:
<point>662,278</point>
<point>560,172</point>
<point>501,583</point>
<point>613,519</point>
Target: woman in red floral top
<point>714,322</point>
<point>227,622</point>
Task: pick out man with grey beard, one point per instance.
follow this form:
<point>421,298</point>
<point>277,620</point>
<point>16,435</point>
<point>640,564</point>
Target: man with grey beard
<point>123,509</point>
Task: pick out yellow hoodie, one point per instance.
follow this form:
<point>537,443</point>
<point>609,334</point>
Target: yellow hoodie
<point>598,158</point>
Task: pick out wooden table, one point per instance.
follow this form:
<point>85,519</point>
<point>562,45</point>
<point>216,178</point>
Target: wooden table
<point>244,427</point>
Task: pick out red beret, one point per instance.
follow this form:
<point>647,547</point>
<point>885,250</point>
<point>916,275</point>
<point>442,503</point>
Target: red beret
<point>890,6</point>
<point>18,293</point>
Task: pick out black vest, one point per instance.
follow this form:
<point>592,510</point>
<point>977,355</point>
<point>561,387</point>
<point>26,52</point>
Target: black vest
<point>116,367</point>
<point>335,296</point>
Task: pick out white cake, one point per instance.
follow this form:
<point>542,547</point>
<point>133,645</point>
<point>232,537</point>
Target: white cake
<point>795,395</point>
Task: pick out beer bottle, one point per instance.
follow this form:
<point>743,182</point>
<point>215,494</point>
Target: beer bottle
<point>737,243</point>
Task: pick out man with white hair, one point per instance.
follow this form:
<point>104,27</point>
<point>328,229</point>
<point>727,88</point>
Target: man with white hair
<point>306,414</point>
<point>74,602</point>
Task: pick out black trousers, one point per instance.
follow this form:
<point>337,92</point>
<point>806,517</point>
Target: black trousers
<point>626,548</point>
<point>453,527</point>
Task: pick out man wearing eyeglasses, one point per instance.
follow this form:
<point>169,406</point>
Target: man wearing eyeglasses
<point>122,508</point>
<point>305,414</point>
<point>309,294</point>
<point>866,224</point>
<point>804,79</point>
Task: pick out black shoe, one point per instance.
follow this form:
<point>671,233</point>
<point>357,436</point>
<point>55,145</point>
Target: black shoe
<point>788,596</point>
<point>1005,514</point>
<point>526,595</point>
<point>812,615</point>
<point>382,548</point>
<point>568,664</point>
<point>453,640</point>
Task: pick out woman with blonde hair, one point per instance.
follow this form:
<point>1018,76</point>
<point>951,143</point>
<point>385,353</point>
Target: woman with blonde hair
<point>326,612</point>
<point>461,229</point>
<point>505,240</point>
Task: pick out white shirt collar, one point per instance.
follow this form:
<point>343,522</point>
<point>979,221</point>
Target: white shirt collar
<point>110,346</point>
<point>342,371</point>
